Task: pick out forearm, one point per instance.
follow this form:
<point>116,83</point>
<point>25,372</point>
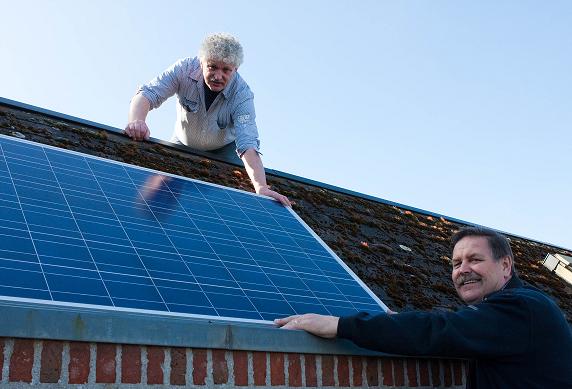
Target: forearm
<point>139,108</point>
<point>254,169</point>
<point>468,332</point>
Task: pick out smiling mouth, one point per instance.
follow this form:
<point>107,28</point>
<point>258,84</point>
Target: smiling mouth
<point>468,282</point>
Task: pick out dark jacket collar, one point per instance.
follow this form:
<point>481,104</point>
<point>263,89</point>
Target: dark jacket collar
<point>514,282</point>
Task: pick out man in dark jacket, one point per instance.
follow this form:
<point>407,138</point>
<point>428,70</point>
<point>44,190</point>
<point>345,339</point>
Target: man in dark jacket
<point>513,335</point>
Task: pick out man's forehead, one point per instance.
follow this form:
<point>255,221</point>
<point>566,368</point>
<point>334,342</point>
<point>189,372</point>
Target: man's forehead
<point>472,245</point>
<point>218,63</point>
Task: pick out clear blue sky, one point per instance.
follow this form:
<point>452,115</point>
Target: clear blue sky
<point>458,107</point>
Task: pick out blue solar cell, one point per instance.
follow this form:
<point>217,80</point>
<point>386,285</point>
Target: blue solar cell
<point>218,285</point>
<point>141,271</point>
<point>25,293</point>
<point>192,309</point>
<point>256,287</point>
<point>44,220</point>
<point>77,229</point>
<point>45,194</point>
<point>187,283</point>
<point>115,258</point>
<point>277,307</point>
<point>10,231</point>
<point>184,297</point>
<point>81,298</point>
<point>7,188</point>
<point>229,301</point>
<point>20,245</point>
<point>19,265</point>
<point>235,313</point>
<point>133,291</point>
<point>254,276</point>
<point>70,284</point>
<point>14,255</point>
<point>166,265</point>
<point>68,263</point>
<point>100,227</point>
<point>53,249</point>
<point>139,304</point>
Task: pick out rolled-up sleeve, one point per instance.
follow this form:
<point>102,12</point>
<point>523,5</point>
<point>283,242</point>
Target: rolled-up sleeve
<point>163,86</point>
<point>244,118</point>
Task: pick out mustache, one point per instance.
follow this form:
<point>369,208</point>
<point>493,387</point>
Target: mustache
<point>464,278</point>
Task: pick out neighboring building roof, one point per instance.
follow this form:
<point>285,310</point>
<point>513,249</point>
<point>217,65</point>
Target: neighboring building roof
<point>400,252</point>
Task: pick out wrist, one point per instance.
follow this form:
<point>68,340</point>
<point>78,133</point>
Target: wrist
<point>258,188</point>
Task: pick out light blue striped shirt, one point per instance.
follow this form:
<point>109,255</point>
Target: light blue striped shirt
<point>231,116</point>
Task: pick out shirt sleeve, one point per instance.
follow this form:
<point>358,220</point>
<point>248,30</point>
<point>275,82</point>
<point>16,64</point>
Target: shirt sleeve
<point>163,86</point>
<point>244,118</point>
<point>493,328</point>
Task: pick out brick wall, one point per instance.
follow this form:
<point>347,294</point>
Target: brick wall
<point>49,363</point>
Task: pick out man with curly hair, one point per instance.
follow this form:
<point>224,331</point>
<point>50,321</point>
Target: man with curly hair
<point>215,107</point>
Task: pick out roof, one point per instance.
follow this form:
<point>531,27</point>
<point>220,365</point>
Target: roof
<point>400,252</point>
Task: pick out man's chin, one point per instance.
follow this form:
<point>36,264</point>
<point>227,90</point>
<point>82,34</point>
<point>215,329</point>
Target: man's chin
<point>215,87</point>
<point>471,298</point>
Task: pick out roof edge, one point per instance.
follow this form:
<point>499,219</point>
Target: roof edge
<point>45,321</point>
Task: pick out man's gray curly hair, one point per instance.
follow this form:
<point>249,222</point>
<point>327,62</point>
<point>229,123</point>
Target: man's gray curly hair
<point>222,47</point>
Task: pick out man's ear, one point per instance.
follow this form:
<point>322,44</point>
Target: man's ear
<point>506,262</point>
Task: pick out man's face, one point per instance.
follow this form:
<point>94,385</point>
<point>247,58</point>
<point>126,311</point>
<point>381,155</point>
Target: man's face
<point>475,272</point>
<point>217,74</point>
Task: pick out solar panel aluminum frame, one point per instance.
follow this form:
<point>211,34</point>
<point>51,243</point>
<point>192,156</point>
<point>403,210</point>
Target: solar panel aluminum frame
<point>178,314</point>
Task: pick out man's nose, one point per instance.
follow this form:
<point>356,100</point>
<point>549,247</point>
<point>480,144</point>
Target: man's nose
<point>464,267</point>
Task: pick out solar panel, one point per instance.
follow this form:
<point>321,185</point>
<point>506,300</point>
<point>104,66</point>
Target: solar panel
<point>85,231</point>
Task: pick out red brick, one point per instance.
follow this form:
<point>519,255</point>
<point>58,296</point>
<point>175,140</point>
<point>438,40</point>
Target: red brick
<point>51,362</point>
<point>387,372</point>
<point>435,372</point>
<point>399,377</point>
<point>1,356</point>
<point>22,360</point>
<point>357,366</point>
<point>447,374</point>
<point>199,366</point>
<point>310,365</point>
<point>178,366</point>
<point>259,368</point>
<point>105,363</point>
<point>155,360</point>
<point>371,371</point>
<point>343,370</point>
<point>294,370</point>
<point>458,372</point>
<point>412,372</point>
<point>78,369</point>
<point>130,364</point>
<point>277,376</point>
<point>240,359</point>
<point>220,367</point>
<point>424,372</point>
<point>328,370</point>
